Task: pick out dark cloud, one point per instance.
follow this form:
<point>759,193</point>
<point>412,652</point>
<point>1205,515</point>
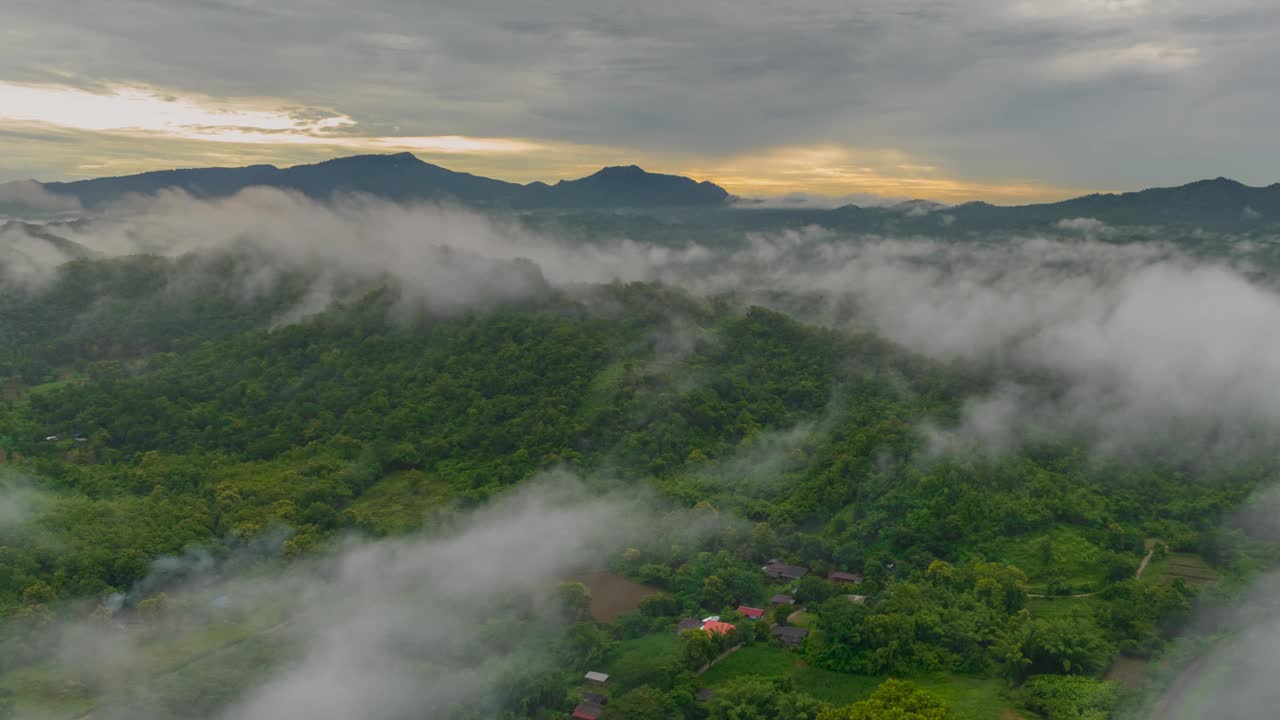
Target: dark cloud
<point>1077,93</point>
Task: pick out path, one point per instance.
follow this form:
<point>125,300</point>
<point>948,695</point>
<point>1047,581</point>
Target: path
<point>1137,576</point>
<point>1177,692</point>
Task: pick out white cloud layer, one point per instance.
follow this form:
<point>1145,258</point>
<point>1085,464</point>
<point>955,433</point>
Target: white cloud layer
<point>1144,345</point>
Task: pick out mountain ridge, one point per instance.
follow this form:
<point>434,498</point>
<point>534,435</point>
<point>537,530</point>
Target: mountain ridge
<point>404,177</point>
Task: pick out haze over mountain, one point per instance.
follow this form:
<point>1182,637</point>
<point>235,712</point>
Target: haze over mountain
<point>1220,203</point>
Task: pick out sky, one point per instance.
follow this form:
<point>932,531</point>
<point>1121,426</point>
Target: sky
<point>1004,100</point>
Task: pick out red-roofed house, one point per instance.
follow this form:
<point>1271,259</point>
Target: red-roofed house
<point>716,627</point>
<point>751,613</point>
<point>587,711</point>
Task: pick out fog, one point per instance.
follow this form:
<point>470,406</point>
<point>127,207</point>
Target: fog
<point>402,628</point>
<point>1132,347</point>
<point>30,197</point>
<point>18,502</point>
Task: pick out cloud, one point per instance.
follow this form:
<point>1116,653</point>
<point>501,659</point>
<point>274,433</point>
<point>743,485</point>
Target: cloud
<point>392,609</point>
<point>17,503</point>
<point>1142,58</point>
<point>29,195</point>
<point>994,92</point>
<point>1135,346</point>
<point>451,617</point>
<point>806,201</point>
<point>1081,224</point>
<point>27,259</point>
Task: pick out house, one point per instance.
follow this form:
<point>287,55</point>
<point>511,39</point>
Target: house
<point>594,698</point>
<point>716,627</point>
<point>857,599</point>
<point>597,678</point>
<point>844,577</point>
<point>790,636</point>
<point>688,624</point>
<point>587,711</point>
<point>782,571</point>
<point>782,600</point>
<point>751,613</point>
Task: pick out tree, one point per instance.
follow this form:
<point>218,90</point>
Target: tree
<point>764,542</point>
<point>38,593</point>
<point>1071,697</point>
<point>584,645</point>
<point>697,648</point>
<point>893,700</point>
<point>750,697</point>
<point>1010,647</point>
<point>575,598</point>
<point>642,703</point>
<point>843,630</point>
<point>812,590</point>
<point>715,594</point>
<point>1071,645</point>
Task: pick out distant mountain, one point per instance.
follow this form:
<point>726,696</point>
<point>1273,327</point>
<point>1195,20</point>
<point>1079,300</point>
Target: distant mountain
<point>1218,203</point>
<point>404,177</point>
<point>620,186</point>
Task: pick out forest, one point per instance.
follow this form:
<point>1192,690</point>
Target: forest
<point>155,410</point>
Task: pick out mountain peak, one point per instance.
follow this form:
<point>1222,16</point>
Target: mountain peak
<point>621,171</point>
<point>375,159</point>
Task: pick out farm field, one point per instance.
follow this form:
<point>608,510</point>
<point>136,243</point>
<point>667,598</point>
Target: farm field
<point>973,698</point>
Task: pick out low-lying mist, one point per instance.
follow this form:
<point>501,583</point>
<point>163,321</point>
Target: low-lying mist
<point>455,619</point>
<point>1129,347</point>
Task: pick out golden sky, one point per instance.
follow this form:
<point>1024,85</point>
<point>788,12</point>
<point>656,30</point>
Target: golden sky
<point>69,133</point>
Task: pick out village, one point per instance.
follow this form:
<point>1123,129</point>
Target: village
<point>728,632</point>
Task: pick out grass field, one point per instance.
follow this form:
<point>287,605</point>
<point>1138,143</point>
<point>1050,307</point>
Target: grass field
<point>800,618</point>
<point>1058,607</point>
<point>634,660</point>
<point>65,379</point>
<point>180,660</point>
<point>973,698</point>
<point>398,502</point>
<point>1072,556</point>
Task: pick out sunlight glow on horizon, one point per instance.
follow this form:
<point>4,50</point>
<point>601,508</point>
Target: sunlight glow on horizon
<point>225,130</point>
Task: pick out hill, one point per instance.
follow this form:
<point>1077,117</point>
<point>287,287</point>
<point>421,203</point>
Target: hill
<point>1220,204</point>
<point>404,177</point>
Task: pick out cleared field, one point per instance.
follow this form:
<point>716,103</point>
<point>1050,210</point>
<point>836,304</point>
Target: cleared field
<point>612,594</point>
<point>1063,553</point>
<point>1187,567</point>
<point>1056,607</point>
